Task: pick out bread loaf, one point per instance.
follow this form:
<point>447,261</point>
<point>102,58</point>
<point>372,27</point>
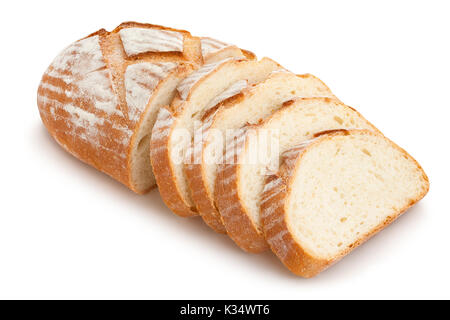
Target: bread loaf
<point>333,193</point>
<point>250,106</point>
<point>173,130</point>
<point>99,98</point>
<point>239,184</point>
<point>151,105</point>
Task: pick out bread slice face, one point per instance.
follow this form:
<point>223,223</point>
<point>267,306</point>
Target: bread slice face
<point>335,192</point>
<point>250,106</point>
<point>240,183</point>
<point>99,98</point>
<point>174,128</point>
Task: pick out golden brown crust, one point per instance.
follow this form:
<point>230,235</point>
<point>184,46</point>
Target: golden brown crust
<point>238,225</point>
<point>278,236</point>
<point>134,24</point>
<point>200,197</point>
<point>273,214</point>
<point>59,90</point>
<point>162,168</point>
<point>191,49</point>
<point>248,54</point>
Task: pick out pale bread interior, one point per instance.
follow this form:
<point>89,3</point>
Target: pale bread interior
<point>200,97</point>
<point>258,103</point>
<point>344,187</point>
<point>295,124</point>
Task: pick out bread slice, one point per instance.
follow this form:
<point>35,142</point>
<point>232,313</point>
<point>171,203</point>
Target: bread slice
<point>250,106</point>
<point>100,96</point>
<point>239,184</point>
<point>335,192</point>
<point>174,128</point>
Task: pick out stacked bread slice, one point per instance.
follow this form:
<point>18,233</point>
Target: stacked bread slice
<point>271,158</point>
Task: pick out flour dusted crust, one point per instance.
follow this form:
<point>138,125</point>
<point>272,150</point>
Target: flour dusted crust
<point>273,211</point>
<point>99,92</point>
<point>141,40</point>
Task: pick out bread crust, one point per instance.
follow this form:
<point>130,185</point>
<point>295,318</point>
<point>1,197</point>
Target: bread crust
<point>239,226</point>
<point>201,198</point>
<point>82,97</point>
<point>273,212</point>
<point>160,159</point>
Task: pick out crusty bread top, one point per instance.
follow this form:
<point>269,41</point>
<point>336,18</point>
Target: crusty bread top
<point>93,95</point>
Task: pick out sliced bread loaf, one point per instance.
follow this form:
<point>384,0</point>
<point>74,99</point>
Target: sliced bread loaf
<point>250,106</point>
<point>239,184</point>
<point>99,98</point>
<point>174,128</point>
<point>335,192</point>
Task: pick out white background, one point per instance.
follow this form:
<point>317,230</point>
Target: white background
<point>68,231</point>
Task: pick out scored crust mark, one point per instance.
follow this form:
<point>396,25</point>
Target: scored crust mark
<point>140,40</point>
<point>276,231</point>
<point>279,231</point>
